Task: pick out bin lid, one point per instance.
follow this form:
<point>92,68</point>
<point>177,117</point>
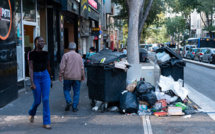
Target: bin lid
<point>109,56</point>
<point>142,50</point>
<point>170,52</point>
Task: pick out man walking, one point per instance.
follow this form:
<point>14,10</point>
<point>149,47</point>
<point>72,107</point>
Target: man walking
<point>72,72</point>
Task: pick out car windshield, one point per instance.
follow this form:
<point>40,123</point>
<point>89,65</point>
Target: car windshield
<point>195,50</point>
<point>213,50</point>
<point>203,50</point>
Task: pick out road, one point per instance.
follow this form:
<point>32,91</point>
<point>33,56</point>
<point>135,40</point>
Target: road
<point>201,79</point>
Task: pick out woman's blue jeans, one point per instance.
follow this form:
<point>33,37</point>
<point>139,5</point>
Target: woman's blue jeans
<point>43,82</point>
<point>67,84</point>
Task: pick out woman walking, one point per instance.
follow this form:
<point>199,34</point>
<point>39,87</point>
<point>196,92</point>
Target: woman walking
<point>40,72</point>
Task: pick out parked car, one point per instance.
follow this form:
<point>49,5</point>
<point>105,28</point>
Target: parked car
<point>199,53</point>
<point>208,55</point>
<point>191,53</point>
<point>186,48</point>
<point>179,51</point>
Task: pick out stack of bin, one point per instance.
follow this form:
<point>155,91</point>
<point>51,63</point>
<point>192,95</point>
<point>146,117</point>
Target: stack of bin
<point>105,83</point>
<point>174,67</point>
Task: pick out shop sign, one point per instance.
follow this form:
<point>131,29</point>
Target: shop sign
<point>84,9</point>
<point>93,3</point>
<point>95,31</point>
<point>6,16</point>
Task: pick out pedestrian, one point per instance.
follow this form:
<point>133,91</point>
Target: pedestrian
<point>91,52</point>
<point>72,73</point>
<point>40,72</point>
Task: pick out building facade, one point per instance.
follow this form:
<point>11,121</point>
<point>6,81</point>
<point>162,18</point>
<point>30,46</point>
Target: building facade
<point>59,22</point>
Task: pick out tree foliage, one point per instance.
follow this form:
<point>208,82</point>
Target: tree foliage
<point>152,19</point>
<point>206,9</point>
<point>182,6</point>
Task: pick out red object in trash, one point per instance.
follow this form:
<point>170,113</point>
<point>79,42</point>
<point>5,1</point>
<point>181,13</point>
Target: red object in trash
<point>163,104</point>
<point>160,114</point>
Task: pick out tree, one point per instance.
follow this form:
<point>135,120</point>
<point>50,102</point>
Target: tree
<point>175,26</point>
<point>185,7</point>
<point>207,8</point>
<point>138,14</point>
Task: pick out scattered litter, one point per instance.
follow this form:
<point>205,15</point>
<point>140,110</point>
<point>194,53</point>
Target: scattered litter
<point>131,87</point>
<point>167,83</point>
<point>187,116</point>
<point>114,109</point>
<point>144,112</point>
<point>159,114</point>
<point>189,111</point>
<point>175,111</point>
<point>96,108</point>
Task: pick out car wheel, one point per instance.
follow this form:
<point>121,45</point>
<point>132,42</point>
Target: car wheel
<point>199,59</point>
<point>209,61</point>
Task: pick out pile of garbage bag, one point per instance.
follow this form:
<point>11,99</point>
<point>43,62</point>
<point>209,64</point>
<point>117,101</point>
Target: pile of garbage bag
<point>169,98</point>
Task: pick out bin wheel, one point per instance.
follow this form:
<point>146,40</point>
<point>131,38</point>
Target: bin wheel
<point>93,103</point>
<point>103,107</point>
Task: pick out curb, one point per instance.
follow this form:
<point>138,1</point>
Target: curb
<point>200,63</point>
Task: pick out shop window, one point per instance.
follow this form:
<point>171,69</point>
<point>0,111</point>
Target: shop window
<point>29,12</point>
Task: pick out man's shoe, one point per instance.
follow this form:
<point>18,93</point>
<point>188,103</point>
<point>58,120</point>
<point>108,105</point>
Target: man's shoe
<point>31,119</point>
<point>68,106</point>
<point>48,126</point>
<point>74,109</point>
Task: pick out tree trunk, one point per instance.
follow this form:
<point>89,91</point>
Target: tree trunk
<point>133,48</point>
<point>143,17</point>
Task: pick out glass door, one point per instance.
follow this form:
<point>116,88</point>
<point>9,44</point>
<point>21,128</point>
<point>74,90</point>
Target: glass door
<point>29,35</point>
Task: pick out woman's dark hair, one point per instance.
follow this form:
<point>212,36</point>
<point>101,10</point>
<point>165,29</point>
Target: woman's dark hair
<point>93,49</point>
<point>35,40</point>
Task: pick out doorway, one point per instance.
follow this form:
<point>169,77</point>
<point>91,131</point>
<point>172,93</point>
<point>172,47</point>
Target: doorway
<point>29,35</point>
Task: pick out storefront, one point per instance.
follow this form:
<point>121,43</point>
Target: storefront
<point>8,64</point>
<point>70,13</point>
<point>30,22</point>
<point>89,24</point>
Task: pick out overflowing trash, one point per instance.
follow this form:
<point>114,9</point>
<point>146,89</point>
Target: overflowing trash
<point>171,98</point>
<point>139,97</point>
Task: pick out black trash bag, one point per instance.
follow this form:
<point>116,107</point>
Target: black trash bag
<point>170,93</point>
<point>148,97</point>
<point>141,87</point>
<point>150,87</point>
<point>128,103</point>
<point>144,87</point>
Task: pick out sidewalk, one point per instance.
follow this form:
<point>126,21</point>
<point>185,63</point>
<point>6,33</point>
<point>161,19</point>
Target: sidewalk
<point>14,118</point>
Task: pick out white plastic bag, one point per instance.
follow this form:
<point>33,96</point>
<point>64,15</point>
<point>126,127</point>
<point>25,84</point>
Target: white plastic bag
<point>167,83</point>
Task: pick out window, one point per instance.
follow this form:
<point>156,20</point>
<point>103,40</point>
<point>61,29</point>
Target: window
<point>29,10</point>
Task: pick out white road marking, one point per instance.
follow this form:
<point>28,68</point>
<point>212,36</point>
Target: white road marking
<point>147,125</point>
<point>144,125</point>
<point>202,101</point>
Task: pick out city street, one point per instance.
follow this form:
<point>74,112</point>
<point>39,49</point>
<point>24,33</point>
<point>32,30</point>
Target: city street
<point>117,56</point>
<point>14,117</point>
